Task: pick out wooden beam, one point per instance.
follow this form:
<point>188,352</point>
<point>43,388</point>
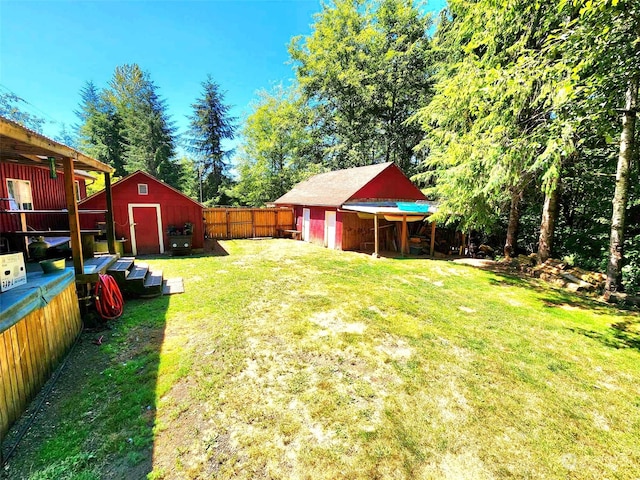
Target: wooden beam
<point>403,241</point>
<point>74,219</point>
<point>111,231</point>
<point>432,247</point>
<point>376,236</point>
<point>21,139</point>
<point>462,243</point>
<point>23,227</point>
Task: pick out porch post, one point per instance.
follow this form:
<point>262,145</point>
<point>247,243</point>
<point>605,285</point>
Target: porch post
<point>24,227</point>
<point>111,233</point>
<point>74,220</point>
<point>376,233</point>
<point>432,248</point>
<point>403,241</point>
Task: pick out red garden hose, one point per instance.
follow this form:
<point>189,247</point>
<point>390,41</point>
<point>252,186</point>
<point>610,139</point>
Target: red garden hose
<point>109,302</point>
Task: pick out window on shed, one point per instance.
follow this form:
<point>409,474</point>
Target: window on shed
<point>143,189</point>
<point>19,194</point>
<point>78,191</point>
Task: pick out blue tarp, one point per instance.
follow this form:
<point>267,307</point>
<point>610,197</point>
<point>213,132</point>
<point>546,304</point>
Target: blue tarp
<point>417,207</point>
<point>39,290</point>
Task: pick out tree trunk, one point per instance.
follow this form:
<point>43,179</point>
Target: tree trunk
<point>510,246</point>
<point>620,196</point>
<point>548,225</point>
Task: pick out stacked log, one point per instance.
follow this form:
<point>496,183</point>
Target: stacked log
<point>573,278</point>
<point>560,273</point>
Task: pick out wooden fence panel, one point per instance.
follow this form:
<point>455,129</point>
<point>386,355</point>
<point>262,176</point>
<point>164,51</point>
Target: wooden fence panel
<point>231,223</point>
<point>240,223</point>
<point>30,350</point>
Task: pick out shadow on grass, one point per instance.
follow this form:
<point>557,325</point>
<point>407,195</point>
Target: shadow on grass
<point>98,419</point>
<point>624,334</point>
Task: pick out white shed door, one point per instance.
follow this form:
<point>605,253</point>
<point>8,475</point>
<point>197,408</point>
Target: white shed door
<point>306,223</point>
<point>330,230</point>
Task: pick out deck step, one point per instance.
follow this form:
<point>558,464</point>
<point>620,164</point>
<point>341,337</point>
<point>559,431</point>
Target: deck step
<point>124,263</point>
<point>120,269</point>
<point>138,272</point>
<point>172,285</point>
<point>154,279</point>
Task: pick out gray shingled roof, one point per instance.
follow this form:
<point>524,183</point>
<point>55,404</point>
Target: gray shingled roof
<point>332,188</point>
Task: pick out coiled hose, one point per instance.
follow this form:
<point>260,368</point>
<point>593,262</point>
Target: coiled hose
<point>109,302</point>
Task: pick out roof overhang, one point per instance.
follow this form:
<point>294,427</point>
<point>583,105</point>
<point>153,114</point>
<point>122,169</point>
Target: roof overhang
<point>20,145</point>
<point>416,208</point>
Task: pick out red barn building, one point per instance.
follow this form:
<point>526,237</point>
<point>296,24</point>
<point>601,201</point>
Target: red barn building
<point>144,209</point>
<point>345,209</point>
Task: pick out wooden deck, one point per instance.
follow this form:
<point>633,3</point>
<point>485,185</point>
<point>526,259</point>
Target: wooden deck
<point>95,266</point>
<point>39,322</point>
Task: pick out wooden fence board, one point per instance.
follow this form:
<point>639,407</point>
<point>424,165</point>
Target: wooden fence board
<point>229,223</point>
<point>6,393</point>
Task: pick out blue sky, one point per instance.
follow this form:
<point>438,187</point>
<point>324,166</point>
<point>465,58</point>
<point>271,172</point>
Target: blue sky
<point>49,49</point>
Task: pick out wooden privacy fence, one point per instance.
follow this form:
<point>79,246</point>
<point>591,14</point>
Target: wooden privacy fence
<point>247,222</point>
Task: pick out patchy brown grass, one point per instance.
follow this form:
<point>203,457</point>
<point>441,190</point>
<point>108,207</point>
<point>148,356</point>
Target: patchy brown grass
<point>285,360</point>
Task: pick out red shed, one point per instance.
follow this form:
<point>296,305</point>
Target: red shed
<point>321,204</point>
<point>144,208</point>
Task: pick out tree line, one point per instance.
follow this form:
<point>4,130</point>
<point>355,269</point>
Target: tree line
<point>519,118</point>
<point>126,125</point>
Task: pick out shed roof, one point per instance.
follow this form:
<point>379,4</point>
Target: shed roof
<point>333,188</point>
<point>24,146</point>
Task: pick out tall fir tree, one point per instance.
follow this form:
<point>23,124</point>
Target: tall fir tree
<point>127,126</point>
<point>100,132</point>
<point>147,129</point>
<point>210,125</point>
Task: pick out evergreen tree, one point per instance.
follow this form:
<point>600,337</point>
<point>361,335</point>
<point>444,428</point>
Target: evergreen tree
<point>10,108</point>
<point>126,125</point>
<point>100,133</point>
<point>147,129</point>
<point>492,128</point>
<point>67,137</point>
<point>210,125</point>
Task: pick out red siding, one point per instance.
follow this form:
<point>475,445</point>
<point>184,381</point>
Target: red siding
<point>175,208</point>
<point>391,184</point>
<point>316,227</point>
<point>47,193</point>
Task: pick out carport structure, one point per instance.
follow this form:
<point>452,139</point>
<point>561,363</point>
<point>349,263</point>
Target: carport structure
<point>404,212</point>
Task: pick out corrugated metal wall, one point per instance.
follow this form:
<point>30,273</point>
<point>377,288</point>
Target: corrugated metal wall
<point>47,193</point>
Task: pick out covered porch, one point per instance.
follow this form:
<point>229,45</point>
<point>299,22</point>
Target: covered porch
<point>40,313</point>
<point>403,212</point>
<point>19,145</point>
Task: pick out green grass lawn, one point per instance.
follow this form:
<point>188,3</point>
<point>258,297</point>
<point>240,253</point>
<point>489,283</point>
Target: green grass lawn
<point>286,360</point>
